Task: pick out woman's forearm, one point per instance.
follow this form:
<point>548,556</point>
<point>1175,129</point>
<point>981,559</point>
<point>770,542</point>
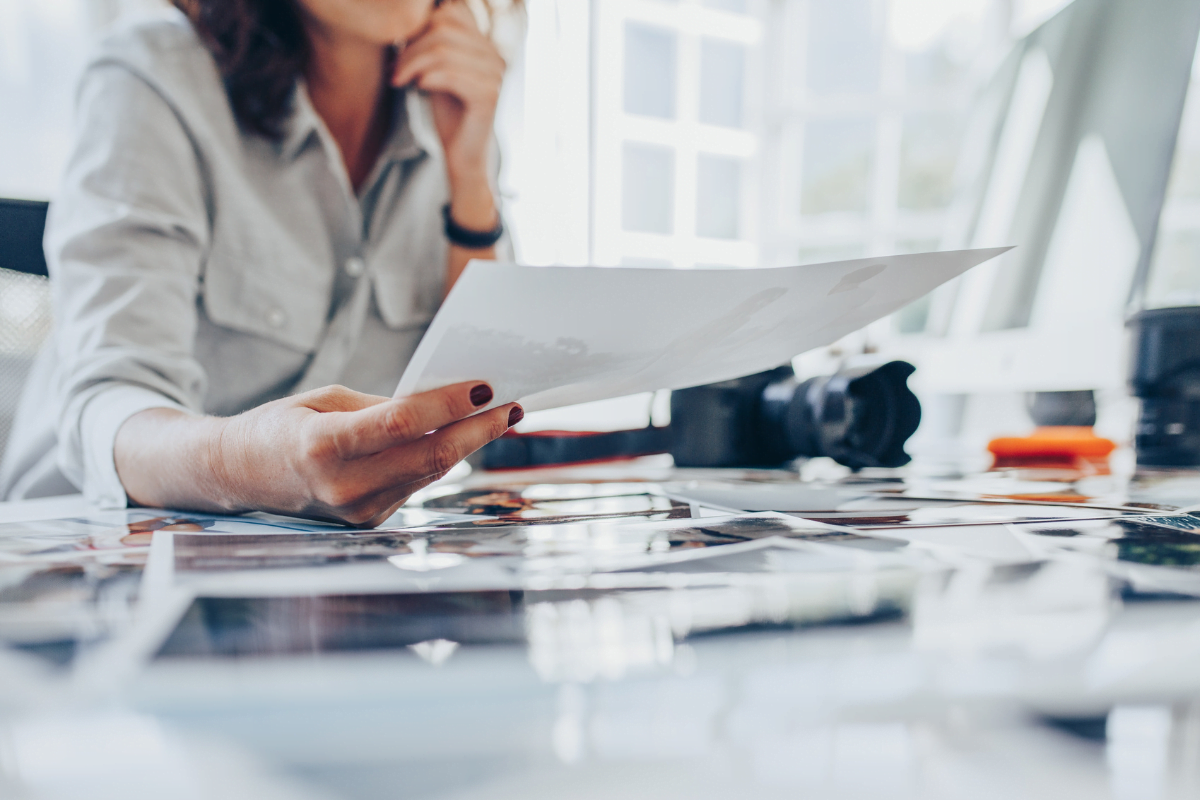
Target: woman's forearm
<point>472,206</point>
<point>166,458</point>
<point>330,454</point>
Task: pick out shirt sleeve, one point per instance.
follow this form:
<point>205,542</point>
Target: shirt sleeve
<point>125,243</point>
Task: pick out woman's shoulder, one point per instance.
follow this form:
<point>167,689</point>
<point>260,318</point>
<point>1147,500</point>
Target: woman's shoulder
<point>163,53</point>
<point>163,50</point>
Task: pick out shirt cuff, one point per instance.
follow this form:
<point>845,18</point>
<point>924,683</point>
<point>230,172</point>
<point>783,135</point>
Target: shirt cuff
<point>102,417</point>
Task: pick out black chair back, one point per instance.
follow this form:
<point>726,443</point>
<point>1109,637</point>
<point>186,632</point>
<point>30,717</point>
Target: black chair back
<point>24,300</point>
<point>22,223</point>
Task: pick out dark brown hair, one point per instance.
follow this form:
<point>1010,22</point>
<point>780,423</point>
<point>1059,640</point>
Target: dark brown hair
<point>260,48</point>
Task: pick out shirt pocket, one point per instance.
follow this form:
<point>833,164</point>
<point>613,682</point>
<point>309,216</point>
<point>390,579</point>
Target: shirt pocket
<point>271,297</point>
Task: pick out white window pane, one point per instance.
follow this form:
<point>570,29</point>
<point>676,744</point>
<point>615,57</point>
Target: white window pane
<point>43,45</point>
<point>928,154</point>
<point>736,6</point>
<point>639,261</point>
<point>1173,280</point>
<point>647,188</point>
<point>914,317</point>
<point>819,254</point>
<point>722,78</point>
<point>649,71</point>
<point>718,192</point>
<point>838,158</point>
<point>843,47</point>
<point>932,70</point>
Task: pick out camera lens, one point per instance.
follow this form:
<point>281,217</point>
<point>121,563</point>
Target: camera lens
<point>860,417</point>
<point>1165,376</point>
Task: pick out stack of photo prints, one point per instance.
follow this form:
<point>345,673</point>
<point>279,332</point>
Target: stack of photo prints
<point>524,564</point>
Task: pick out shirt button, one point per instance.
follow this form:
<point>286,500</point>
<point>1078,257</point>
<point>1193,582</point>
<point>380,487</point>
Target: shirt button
<point>276,318</point>
<point>355,267</point>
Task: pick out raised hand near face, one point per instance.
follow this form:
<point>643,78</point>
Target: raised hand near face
<point>461,69</point>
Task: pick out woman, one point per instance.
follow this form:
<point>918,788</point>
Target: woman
<point>266,198</point>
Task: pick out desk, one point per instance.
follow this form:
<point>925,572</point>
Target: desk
<point>1028,663</point>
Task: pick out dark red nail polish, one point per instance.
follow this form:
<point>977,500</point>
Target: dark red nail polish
<point>516,415</point>
<point>481,395</point>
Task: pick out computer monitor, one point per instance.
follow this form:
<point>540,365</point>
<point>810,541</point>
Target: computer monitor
<point>1067,156</point>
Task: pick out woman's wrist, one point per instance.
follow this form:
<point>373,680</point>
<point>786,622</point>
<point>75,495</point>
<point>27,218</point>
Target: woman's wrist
<point>168,458</point>
<point>472,203</point>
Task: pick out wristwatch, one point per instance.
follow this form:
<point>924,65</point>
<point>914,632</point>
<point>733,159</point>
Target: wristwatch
<point>465,237</point>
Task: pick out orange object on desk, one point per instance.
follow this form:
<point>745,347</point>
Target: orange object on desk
<point>1054,446</point>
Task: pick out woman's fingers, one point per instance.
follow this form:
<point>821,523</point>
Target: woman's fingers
<point>387,424</point>
<point>370,486</point>
<point>457,14</point>
<point>439,451</point>
<point>394,497</point>
<point>471,51</point>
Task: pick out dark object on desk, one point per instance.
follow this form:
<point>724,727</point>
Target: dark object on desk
<point>860,417</point>
<point>520,450</point>
<point>26,322</point>
<point>1063,439</point>
<point>1074,409</point>
<point>1165,376</point>
<point>22,223</point>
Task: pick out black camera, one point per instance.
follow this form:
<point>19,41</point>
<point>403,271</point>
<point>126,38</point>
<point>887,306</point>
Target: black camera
<point>1165,376</point>
<point>859,417</point>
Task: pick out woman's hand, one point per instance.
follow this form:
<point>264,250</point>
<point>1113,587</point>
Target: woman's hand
<point>331,454</point>
<point>462,71</point>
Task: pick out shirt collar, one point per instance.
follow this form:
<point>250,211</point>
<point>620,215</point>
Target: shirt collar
<point>302,124</point>
<point>413,133</point>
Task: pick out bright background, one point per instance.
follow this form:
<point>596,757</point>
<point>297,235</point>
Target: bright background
<point>693,133</point>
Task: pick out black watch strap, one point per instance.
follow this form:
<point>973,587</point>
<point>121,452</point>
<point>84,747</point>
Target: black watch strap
<point>465,237</point>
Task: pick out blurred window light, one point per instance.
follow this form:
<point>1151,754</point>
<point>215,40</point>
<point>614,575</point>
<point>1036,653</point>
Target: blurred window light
<point>649,70</point>
<point>1174,278</point>
<point>821,252</point>
<point>838,158</point>
<point>735,6</point>
<point>933,70</point>
<point>722,82</point>
<point>928,155</point>
<point>42,47</point>
<point>843,46</point>
<point>1029,14</point>
<point>866,155</point>
<point>718,197</point>
<point>674,187</point>
<point>648,173</point>
<point>914,318</point>
<point>916,25</point>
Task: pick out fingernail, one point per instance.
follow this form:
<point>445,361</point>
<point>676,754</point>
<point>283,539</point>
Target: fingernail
<point>481,395</point>
<point>516,415</point>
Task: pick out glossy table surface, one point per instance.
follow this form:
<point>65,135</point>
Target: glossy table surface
<point>620,630</point>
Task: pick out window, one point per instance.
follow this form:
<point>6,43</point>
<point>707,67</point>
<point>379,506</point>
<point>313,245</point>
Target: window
<point>1174,278</point>
<point>43,47</point>
<point>676,131</point>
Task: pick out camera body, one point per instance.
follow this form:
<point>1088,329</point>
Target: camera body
<point>860,417</point>
<point>1165,377</point>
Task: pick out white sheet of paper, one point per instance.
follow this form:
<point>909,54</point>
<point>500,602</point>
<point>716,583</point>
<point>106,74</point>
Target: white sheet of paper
<point>557,336</point>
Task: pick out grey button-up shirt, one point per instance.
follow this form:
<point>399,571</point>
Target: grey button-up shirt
<point>197,267</point>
